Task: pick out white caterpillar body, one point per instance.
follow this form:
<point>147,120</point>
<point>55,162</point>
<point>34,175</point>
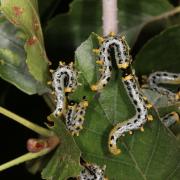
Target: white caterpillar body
<point>122,57</point>
<point>139,118</point>
<point>158,77</point>
<point>92,172</point>
<point>170,119</point>
<point>75,116</point>
<point>64,81</point>
<point>123,61</point>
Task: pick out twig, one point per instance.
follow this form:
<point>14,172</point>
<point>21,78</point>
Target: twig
<point>24,158</point>
<point>34,127</point>
<point>110,20</point>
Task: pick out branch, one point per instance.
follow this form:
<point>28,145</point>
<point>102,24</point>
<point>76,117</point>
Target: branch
<point>23,158</point>
<point>110,20</point>
<point>34,127</point>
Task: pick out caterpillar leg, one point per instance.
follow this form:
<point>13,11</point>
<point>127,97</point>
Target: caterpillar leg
<point>147,103</point>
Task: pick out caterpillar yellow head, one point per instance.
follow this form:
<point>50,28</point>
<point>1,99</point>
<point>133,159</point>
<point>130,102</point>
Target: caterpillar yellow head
<point>112,144</point>
<point>113,149</point>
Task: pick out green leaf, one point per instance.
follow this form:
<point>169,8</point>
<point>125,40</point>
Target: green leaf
<point>148,155</point>
<point>85,17</point>
<point>65,161</point>
<point>161,53</point>
<point>23,14</point>
<point>12,60</point>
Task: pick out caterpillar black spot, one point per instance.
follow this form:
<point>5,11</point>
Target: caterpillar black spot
<point>122,56</point>
<point>159,77</point>
<point>92,172</point>
<point>64,81</point>
<point>75,116</point>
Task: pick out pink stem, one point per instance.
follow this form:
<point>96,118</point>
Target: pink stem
<point>110,20</point>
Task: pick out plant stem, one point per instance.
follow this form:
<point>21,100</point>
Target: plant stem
<point>24,158</point>
<point>110,20</point>
<point>34,127</point>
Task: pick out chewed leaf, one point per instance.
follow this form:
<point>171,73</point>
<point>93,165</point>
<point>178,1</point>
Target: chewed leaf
<point>24,15</point>
<point>65,161</point>
<point>13,67</point>
<point>141,151</point>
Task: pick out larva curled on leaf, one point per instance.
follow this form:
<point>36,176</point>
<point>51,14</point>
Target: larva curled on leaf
<point>92,172</point>
<point>138,120</point>
<point>122,56</point>
<point>75,116</point>
<point>64,81</point>
<point>123,61</point>
<point>161,77</point>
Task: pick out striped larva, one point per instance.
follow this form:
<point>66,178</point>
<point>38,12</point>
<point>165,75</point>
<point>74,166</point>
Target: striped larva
<point>138,120</point>
<point>170,119</point>
<point>92,172</point>
<point>75,116</point>
<point>122,56</point>
<point>159,77</point>
<point>64,81</point>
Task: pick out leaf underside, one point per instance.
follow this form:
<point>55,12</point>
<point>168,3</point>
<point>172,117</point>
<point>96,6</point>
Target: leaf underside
<point>24,15</point>
<point>13,67</point>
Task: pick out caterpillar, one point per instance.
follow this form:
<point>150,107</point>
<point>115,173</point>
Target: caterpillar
<point>138,120</point>
<point>92,172</point>
<point>75,116</point>
<point>123,61</point>
<point>64,81</point>
<point>159,77</point>
<point>170,119</point>
<point>122,56</point>
<point>163,77</point>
